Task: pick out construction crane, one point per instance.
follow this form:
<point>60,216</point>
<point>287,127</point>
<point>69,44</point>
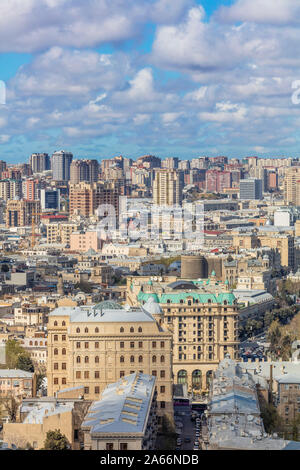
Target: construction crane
<point>33,227</point>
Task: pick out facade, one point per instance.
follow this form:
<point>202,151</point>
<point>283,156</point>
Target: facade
<point>203,318</point>
<point>11,189</point>
<point>97,345</point>
<point>251,189</point>
<point>50,199</point>
<point>85,198</point>
<point>125,416</point>
<point>22,213</point>
<point>84,170</point>
<point>17,383</point>
<point>288,397</point>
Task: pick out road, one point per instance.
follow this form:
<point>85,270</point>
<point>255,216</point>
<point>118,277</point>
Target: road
<point>189,427</point>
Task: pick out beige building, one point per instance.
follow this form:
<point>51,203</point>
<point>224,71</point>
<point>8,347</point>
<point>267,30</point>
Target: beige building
<point>38,416</point>
<point>84,241</point>
<point>22,213</point>
<point>203,318</point>
<point>167,187</point>
<point>17,383</point>
<point>292,186</point>
<point>61,232</point>
<point>97,345</point>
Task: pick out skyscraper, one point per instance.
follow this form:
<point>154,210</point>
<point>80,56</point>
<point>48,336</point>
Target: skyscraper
<point>60,165</point>
<point>167,187</point>
<point>40,162</point>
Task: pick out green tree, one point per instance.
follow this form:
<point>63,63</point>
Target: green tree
<point>55,440</point>
<point>24,362</point>
<point>13,349</point>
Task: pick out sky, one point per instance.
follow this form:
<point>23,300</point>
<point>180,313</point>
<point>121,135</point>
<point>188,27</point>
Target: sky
<point>182,78</point>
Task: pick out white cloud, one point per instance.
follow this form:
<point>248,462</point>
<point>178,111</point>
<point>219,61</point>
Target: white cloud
<point>34,25</point>
<point>276,12</point>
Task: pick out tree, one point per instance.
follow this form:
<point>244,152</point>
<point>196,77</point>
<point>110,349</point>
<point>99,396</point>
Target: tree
<point>24,362</point>
<point>55,440</point>
<point>11,406</point>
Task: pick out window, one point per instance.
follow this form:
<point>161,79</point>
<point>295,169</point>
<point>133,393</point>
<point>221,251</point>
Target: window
<point>86,345</point>
<point>63,381</point>
<point>162,389</point>
<point>63,337</point>
<point>122,359</point>
<point>64,366</point>
<point>122,373</point>
<point>86,359</point>
<point>77,330</point>
<point>96,345</point>
<point>140,330</point>
<point>162,404</point>
<point>97,359</point>
<point>86,330</point>
<point>109,446</point>
<point>78,374</point>
<point>132,330</point>
<point>162,374</point>
<point>122,345</point>
<point>55,381</point>
<point>55,338</point>
<point>55,366</point>
<point>140,344</point>
<point>153,358</point>
<point>78,360</point>
<point>121,329</point>
<point>97,390</point>
<point>162,344</point>
<point>55,323</point>
<point>162,359</point>
<point>86,374</point>
<point>154,373</point>
<point>63,323</point>
<point>97,330</point>
<point>86,390</point>
<point>140,358</point>
<point>97,374</point>
<point>131,358</point>
<point>153,344</point>
<point>123,446</point>
<point>64,351</point>
<point>55,352</point>
<point>78,345</point>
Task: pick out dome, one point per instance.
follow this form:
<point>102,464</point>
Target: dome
<point>152,307</point>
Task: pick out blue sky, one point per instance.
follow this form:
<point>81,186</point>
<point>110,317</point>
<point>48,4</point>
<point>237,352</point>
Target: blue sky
<point>168,77</point>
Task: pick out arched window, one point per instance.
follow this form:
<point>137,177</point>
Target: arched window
<point>209,301</point>
<point>132,330</point>
<point>86,330</point>
<point>153,358</point>
<point>86,359</point>
<point>162,359</point>
<point>41,343</point>
<point>182,377</point>
<point>97,359</point>
<point>197,379</point>
<point>64,351</point>
<point>122,359</point>
<point>131,358</point>
<point>36,343</point>
<point>78,360</point>
<point>30,343</point>
<point>55,352</point>
<point>63,323</point>
<point>77,330</point>
<point>168,301</point>
<point>121,329</point>
<point>97,330</point>
<point>55,323</point>
<point>140,330</point>
<point>225,302</point>
<point>140,358</point>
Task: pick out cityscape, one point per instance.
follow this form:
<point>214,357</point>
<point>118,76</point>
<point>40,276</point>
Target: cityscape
<point>149,228</point>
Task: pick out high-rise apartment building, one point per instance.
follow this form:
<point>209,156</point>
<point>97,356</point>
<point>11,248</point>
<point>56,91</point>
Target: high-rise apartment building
<point>167,187</point>
<point>96,345</point>
<point>84,170</point>
<point>40,162</point>
<point>60,165</point>
<point>85,198</point>
<point>292,186</point>
<point>10,189</point>
<point>50,199</point>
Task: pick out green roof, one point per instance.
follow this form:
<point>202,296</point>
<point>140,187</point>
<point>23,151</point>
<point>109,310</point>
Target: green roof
<point>202,298</point>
